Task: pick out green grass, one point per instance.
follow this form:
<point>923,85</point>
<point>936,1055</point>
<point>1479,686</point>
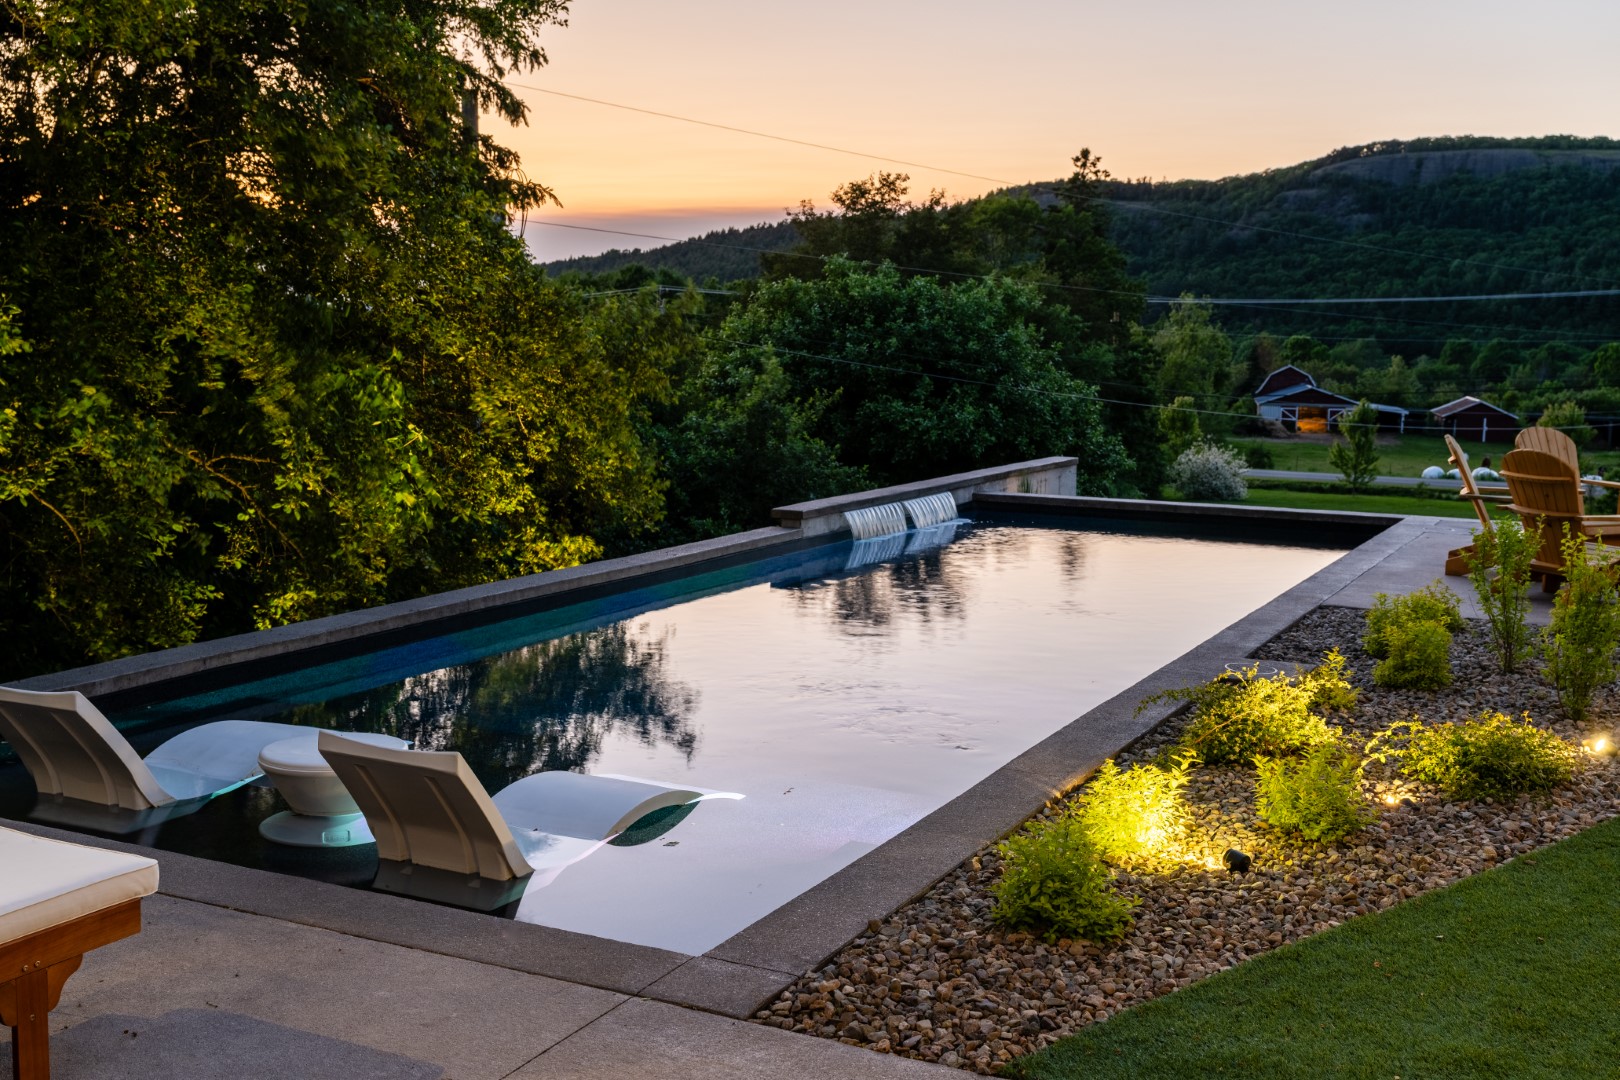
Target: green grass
<point>1512,974</point>
<point>1372,504</point>
<point>1405,455</point>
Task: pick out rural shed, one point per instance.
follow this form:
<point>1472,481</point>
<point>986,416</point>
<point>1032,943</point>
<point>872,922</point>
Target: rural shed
<point>1291,397</point>
<point>1471,418</point>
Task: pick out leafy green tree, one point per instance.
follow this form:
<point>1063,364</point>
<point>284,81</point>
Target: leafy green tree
<point>911,377</point>
<point>286,357</point>
<point>1357,455</point>
<point>1605,362</point>
<point>1567,416</point>
<point>1197,354</point>
<point>1179,427</point>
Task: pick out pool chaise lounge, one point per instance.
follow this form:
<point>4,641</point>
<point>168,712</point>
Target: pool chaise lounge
<point>88,776</point>
<point>57,902</point>
<point>427,809</point>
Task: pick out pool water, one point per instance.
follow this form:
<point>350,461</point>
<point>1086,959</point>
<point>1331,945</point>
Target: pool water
<point>845,701</point>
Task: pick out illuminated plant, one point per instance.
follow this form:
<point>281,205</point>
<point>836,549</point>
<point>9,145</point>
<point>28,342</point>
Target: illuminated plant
<point>1434,603</point>
<point>1499,569</point>
<point>1054,882</point>
<point>1243,716</point>
<point>1136,815</point>
<point>1487,757</point>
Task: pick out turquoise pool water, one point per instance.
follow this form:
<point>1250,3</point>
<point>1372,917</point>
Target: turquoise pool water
<point>845,701</point>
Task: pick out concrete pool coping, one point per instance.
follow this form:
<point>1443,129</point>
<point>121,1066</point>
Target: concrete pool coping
<point>740,974</point>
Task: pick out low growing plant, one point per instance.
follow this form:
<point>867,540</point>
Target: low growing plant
<point>1210,472</point>
<point>1578,646</point>
<point>1243,716</point>
<point>1418,658</point>
<point>1499,568</point>
<point>1487,757</point>
<point>1317,796</point>
<point>1054,883</point>
<point>1136,815</point>
<point>1434,603</point>
<point>1329,684</point>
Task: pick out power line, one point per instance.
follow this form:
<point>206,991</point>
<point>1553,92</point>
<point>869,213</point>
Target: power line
<point>1149,207</point>
<point>1415,299</point>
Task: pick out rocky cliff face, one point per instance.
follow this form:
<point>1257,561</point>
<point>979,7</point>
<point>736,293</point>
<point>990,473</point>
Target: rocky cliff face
<point>1432,166</point>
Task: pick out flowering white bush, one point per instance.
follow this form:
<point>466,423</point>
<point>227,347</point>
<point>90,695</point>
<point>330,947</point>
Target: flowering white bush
<point>1210,473</point>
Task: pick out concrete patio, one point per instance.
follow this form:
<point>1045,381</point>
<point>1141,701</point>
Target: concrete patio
<point>241,972</point>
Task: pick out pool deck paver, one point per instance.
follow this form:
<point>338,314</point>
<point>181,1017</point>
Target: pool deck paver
<point>241,972</point>
<point>206,993</point>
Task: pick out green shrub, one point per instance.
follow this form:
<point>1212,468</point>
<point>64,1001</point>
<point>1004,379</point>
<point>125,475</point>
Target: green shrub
<point>1053,882</point>
<point>1242,716</point>
<point>1317,796</point>
<point>1504,596</point>
<point>1418,657</point>
<point>1487,757</point>
<point>1329,683</point>
<point>1136,815</point>
<point>1579,644</point>
<point>1434,603</point>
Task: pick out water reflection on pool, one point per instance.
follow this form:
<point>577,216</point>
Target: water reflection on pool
<point>845,704</point>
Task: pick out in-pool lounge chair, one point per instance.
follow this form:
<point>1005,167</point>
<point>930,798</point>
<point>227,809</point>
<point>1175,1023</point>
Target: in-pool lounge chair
<point>1547,493</point>
<point>427,809</point>
<point>1458,559</point>
<point>57,902</point>
<point>88,776</point>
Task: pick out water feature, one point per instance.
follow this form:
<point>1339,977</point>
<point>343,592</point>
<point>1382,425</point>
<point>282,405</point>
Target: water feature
<point>846,695</point>
<point>932,510</point>
<point>869,522</point>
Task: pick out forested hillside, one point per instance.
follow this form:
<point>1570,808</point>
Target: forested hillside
<point>1429,217</point>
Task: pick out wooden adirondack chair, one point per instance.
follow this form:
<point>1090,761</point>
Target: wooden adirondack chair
<point>1552,441</point>
<point>1547,493</point>
<point>1458,559</point>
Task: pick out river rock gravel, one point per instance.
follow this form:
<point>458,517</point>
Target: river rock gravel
<point>938,981</point>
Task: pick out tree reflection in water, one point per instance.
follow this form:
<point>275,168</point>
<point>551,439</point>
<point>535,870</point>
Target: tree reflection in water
<point>932,586</point>
<point>551,705</point>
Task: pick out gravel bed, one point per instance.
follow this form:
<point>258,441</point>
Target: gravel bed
<point>937,981</point>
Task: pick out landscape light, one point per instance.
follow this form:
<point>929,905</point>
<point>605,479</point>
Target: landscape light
<point>1599,745</point>
<point>1236,861</point>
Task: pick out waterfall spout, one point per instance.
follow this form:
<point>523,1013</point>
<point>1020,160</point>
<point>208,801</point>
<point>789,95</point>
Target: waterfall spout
<point>931,510</point>
<point>871,521</point>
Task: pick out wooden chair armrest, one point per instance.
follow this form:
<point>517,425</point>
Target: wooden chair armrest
<point>1602,483</point>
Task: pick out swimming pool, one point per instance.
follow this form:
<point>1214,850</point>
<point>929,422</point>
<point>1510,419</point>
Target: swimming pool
<point>845,701</point>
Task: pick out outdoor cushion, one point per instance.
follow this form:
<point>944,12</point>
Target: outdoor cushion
<point>48,882</point>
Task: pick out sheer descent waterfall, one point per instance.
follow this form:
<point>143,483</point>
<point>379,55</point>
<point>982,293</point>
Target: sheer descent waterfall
<point>931,510</point>
<point>870,521</point>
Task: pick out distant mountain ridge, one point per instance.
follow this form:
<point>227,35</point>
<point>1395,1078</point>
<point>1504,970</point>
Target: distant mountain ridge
<point>1421,217</point>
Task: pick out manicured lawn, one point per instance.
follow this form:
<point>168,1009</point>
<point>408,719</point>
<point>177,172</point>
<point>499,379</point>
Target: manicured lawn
<point>1406,455</point>
<point>1512,974</point>
<point>1372,503</point>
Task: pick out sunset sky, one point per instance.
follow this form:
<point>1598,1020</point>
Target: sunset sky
<point>1011,90</point>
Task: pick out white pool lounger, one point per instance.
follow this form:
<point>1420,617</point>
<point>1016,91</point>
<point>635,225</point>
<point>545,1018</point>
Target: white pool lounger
<point>88,776</point>
<point>57,902</point>
<point>426,808</point>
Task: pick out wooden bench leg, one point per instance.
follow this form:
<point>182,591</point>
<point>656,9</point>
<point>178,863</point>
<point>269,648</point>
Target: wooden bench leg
<point>25,1007</point>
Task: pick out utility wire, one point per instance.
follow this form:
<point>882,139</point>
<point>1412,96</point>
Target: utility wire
<point>1148,207</point>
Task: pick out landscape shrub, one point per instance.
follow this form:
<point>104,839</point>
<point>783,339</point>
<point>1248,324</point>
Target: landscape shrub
<point>1243,716</point>
<point>1487,757</point>
<point>1317,796</point>
<point>1054,883</point>
<point>1434,603</point>
<point>1504,595</point>
<point>1136,815</point>
<point>1578,646</point>
<point>1356,457</point>
<point>1210,473</point>
<point>1419,658</point>
<point>1329,684</point>
<point>1256,456</point>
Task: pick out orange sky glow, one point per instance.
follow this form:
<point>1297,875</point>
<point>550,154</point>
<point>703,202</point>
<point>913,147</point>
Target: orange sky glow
<point>1010,91</point>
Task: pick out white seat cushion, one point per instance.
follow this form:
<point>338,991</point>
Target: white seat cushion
<point>47,882</point>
